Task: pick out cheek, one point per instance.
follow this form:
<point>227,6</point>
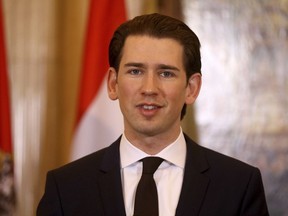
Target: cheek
<point>178,90</point>
<point>126,89</point>
<point>177,95</point>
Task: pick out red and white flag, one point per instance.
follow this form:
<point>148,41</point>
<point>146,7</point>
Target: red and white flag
<point>7,193</point>
<point>99,120</point>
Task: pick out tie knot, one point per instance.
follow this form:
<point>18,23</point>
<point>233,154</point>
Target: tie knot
<point>150,164</point>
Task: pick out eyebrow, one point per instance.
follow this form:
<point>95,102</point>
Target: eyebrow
<point>169,67</point>
<point>134,64</point>
<point>160,66</point>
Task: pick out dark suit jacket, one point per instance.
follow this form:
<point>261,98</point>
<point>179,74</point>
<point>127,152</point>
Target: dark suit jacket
<point>213,185</point>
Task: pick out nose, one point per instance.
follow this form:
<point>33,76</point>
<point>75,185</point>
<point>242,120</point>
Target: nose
<point>150,84</point>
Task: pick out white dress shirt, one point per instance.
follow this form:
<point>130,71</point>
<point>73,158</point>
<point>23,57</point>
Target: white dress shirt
<point>168,177</point>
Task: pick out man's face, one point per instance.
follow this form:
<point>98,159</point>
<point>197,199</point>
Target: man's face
<point>151,86</point>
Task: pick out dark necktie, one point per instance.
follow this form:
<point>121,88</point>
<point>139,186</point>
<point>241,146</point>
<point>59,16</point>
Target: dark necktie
<point>146,199</point>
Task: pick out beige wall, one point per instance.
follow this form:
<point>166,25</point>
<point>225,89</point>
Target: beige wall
<point>44,41</point>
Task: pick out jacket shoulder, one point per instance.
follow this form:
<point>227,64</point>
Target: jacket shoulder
<point>92,163</point>
<point>214,159</point>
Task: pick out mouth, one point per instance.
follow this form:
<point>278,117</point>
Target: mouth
<point>149,109</point>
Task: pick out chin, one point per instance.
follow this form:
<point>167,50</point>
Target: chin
<point>149,131</point>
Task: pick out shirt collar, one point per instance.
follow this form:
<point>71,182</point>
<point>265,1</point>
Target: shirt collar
<point>174,153</point>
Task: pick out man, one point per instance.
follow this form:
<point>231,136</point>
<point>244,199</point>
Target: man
<point>154,72</point>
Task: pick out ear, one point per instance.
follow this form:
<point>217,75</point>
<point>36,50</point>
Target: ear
<point>112,84</point>
<point>193,88</point>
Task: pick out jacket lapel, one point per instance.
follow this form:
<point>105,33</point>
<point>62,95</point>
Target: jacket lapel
<point>193,191</point>
<point>195,182</point>
<point>110,183</point>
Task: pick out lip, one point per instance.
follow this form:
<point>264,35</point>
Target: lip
<point>148,106</point>
<point>148,109</point>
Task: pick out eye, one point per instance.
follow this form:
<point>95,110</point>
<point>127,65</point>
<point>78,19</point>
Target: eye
<point>134,71</point>
<point>167,74</point>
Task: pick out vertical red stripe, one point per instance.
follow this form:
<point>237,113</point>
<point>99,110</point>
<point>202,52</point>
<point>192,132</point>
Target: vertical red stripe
<point>104,17</point>
<point>5,124</point>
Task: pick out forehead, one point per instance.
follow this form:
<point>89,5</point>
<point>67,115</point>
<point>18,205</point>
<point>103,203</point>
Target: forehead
<point>147,48</point>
